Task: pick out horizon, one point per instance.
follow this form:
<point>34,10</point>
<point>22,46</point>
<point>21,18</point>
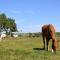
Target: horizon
<point>30,15</point>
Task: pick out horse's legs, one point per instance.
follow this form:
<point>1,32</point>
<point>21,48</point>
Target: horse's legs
<point>47,43</point>
<point>44,43</point>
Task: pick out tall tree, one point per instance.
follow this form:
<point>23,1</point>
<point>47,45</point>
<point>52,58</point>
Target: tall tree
<point>6,23</point>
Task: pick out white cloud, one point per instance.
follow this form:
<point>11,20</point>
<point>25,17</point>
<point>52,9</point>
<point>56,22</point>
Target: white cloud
<point>1,12</point>
<point>31,28</point>
<point>15,11</point>
<point>30,12</point>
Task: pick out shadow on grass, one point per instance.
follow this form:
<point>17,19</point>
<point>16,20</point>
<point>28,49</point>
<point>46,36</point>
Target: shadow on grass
<point>38,49</point>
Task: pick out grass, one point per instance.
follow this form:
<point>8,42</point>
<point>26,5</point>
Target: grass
<point>23,49</point>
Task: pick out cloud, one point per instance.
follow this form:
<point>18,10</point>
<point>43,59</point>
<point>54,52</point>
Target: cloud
<point>1,12</point>
<point>30,12</point>
<point>15,11</point>
<point>34,26</point>
<point>31,28</point>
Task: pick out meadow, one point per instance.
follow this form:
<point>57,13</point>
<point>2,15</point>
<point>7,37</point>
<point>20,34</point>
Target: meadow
<point>24,48</point>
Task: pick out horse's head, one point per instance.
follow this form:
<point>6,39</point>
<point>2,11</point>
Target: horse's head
<point>54,45</point>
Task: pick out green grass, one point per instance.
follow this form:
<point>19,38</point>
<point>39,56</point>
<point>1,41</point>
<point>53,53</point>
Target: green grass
<point>23,49</point>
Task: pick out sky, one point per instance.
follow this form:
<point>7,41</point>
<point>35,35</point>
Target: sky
<point>31,15</point>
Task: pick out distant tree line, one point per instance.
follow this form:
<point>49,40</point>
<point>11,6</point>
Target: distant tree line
<point>58,34</point>
<point>37,34</point>
<point>7,23</point>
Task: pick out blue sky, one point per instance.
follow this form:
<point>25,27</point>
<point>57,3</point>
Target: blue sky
<point>30,15</point>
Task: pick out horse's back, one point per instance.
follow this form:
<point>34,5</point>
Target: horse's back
<point>48,30</point>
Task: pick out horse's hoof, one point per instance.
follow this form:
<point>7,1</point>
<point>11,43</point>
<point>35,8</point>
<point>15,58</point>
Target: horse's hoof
<point>52,51</point>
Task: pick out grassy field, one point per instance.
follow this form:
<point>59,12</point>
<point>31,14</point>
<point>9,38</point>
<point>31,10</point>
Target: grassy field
<point>24,49</point>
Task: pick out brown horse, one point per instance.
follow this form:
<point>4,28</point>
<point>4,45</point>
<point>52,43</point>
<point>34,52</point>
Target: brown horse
<point>48,32</point>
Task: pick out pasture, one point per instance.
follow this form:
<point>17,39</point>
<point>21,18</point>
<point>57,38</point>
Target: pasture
<point>25,48</point>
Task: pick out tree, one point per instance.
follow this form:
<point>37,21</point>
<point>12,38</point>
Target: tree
<point>7,23</point>
<point>11,24</point>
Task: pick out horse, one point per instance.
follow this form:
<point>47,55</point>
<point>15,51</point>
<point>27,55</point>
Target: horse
<point>2,36</point>
<point>48,32</point>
